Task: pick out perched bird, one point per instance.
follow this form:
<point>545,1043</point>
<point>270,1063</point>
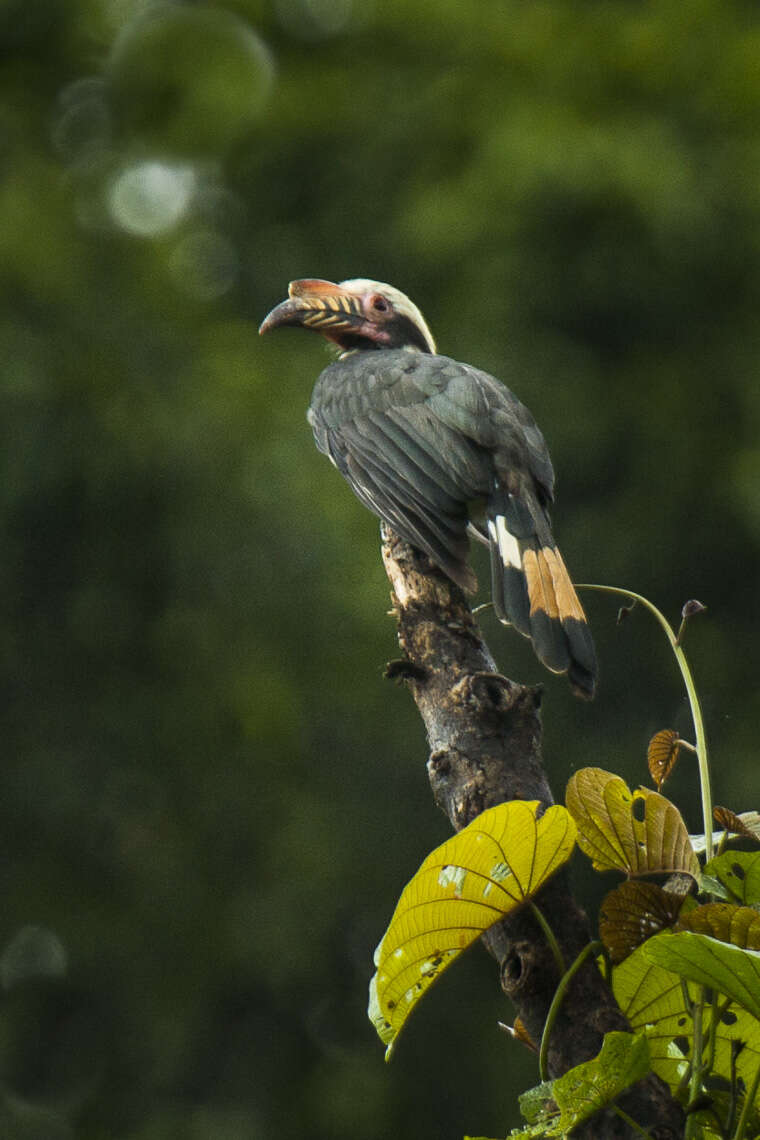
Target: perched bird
<point>439,449</point>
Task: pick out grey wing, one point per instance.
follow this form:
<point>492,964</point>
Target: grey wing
<point>415,472</point>
<point>487,411</point>
<point>418,437</point>
<point>481,409</point>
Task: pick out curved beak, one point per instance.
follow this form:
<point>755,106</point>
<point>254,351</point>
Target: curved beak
<point>315,304</point>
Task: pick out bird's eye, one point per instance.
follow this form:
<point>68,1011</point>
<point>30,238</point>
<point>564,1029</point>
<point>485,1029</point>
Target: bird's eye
<point>379,304</point>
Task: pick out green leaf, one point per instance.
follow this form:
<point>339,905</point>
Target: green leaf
<point>705,1121</point>
<point>637,832</point>
<point>711,886</point>
<point>536,1102</point>
<point>739,872</point>
<point>652,998</point>
<point>702,959</point>
<point>554,1108</point>
<point>463,887</point>
<point>583,1090</point>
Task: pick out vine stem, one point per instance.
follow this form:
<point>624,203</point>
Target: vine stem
<point>559,993</point>
<point>549,934</point>
<point>749,1101</point>
<point>697,1062</point>
<point>696,711</point>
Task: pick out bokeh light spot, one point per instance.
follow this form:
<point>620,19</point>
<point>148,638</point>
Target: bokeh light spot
<point>150,198</point>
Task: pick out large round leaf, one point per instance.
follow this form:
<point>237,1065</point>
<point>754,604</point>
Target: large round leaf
<point>466,885</point>
<point>637,832</point>
<point>652,998</point>
<point>709,962</point>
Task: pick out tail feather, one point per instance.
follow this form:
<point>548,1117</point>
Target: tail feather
<point>546,630</point>
<point>532,590</point>
<point>572,616</point>
<point>508,589</point>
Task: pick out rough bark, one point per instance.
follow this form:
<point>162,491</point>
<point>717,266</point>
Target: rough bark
<point>484,733</point>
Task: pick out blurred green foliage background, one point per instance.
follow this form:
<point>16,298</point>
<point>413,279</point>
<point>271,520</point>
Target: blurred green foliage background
<point>210,799</point>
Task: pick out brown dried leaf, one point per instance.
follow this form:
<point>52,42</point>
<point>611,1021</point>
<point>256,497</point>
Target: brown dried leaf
<point>739,925</point>
<point>633,912</point>
<point>520,1033</point>
<point>738,824</point>
<point>662,754</point>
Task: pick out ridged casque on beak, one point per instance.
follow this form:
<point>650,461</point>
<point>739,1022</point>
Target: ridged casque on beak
<point>316,304</point>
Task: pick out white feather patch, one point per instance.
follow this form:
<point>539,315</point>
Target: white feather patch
<point>509,547</point>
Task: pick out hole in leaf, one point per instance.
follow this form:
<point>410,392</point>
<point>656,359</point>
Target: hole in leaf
<point>728,1018</point>
<point>639,809</point>
<point>682,1044</point>
<point>738,870</point>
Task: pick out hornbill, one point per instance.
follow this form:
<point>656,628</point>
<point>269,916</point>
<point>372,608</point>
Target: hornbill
<point>439,449</point>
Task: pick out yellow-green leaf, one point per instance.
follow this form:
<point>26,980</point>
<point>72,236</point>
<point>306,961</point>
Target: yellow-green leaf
<point>652,999</point>
<point>637,832</point>
<point>699,958</point>
<point>633,912</point>
<point>739,872</point>
<point>466,885</point>
<point>739,925</point>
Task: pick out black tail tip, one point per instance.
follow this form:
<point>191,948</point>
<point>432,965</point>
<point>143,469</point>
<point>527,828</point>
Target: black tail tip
<point>582,671</point>
<point>582,682</point>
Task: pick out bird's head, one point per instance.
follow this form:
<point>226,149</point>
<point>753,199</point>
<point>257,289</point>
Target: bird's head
<point>354,315</point>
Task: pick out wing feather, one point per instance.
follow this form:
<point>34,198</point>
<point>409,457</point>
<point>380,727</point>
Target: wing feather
<point>418,437</point>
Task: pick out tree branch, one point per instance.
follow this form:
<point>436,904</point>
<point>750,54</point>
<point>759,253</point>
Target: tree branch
<point>484,733</point>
